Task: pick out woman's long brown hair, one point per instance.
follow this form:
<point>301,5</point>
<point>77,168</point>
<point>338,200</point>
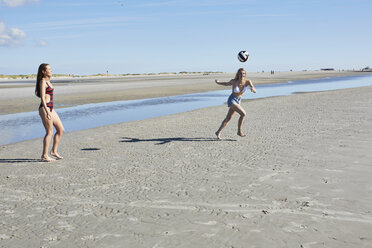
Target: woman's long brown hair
<point>40,75</point>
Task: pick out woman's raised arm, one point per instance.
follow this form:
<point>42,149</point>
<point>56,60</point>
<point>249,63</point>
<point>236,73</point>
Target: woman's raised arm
<point>224,83</point>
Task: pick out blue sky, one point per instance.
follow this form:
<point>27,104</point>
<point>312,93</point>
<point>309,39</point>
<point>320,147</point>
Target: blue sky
<point>134,36</point>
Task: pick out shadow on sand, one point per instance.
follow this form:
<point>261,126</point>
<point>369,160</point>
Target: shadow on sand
<point>90,149</point>
<point>162,141</point>
<point>18,160</point>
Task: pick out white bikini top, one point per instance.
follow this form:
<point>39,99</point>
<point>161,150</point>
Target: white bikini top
<point>237,90</point>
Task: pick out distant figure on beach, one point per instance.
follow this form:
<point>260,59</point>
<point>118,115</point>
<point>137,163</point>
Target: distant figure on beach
<point>239,86</point>
<point>44,89</point>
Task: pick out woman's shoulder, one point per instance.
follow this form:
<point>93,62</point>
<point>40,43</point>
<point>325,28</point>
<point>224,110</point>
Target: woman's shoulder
<point>248,81</point>
<point>45,81</point>
<point>42,82</point>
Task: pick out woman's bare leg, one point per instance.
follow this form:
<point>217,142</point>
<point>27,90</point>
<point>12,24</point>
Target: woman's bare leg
<point>242,114</point>
<point>48,125</point>
<point>57,123</point>
<point>230,113</point>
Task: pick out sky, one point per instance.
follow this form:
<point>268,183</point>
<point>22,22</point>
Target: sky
<point>85,37</point>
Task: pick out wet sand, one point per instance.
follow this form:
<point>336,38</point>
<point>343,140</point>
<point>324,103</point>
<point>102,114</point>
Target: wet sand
<point>20,97</point>
<point>301,178</point>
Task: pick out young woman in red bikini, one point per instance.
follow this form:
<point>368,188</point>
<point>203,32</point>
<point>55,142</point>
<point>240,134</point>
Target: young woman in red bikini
<point>44,89</point>
<point>239,86</point>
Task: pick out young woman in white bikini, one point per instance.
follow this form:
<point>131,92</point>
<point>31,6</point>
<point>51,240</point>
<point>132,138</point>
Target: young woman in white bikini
<point>239,86</point>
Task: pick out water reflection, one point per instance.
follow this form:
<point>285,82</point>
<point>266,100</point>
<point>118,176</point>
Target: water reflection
<point>24,126</point>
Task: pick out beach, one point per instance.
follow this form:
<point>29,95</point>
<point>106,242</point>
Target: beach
<point>19,95</point>
<point>300,178</point>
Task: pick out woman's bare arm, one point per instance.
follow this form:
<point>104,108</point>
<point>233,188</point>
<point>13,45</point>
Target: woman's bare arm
<point>224,83</point>
<point>43,96</point>
<point>250,84</point>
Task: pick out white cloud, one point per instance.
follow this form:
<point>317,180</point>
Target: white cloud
<point>82,23</point>
<point>17,33</point>
<point>16,3</point>
<point>42,43</point>
<point>12,36</point>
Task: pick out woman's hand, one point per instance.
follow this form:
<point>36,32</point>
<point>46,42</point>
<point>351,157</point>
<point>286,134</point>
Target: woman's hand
<point>253,89</point>
<point>49,115</point>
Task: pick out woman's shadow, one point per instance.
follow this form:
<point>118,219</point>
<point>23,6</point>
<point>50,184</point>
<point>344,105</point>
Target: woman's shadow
<point>18,160</point>
<point>162,141</point>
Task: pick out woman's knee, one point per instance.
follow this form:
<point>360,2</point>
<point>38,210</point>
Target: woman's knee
<point>61,131</point>
<point>49,132</point>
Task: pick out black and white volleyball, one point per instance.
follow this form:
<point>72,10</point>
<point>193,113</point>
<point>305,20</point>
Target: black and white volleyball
<point>243,56</point>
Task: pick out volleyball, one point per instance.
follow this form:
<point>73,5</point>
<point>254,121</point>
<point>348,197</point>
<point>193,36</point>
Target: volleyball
<point>243,56</point>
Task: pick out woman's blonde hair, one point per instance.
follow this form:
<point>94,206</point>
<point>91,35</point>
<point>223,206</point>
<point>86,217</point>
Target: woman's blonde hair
<point>238,75</point>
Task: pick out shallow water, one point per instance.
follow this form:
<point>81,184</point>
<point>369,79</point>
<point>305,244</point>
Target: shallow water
<point>25,126</point>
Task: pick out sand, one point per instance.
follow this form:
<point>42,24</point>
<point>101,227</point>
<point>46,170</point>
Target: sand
<point>301,178</point>
<point>18,97</point>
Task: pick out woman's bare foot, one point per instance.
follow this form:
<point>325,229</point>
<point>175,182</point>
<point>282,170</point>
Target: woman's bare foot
<point>241,134</point>
<point>47,159</point>
<point>218,135</point>
<point>54,154</point>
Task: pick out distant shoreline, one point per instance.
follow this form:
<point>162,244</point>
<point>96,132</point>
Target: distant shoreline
<point>25,77</point>
<point>18,95</point>
<point>101,75</point>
